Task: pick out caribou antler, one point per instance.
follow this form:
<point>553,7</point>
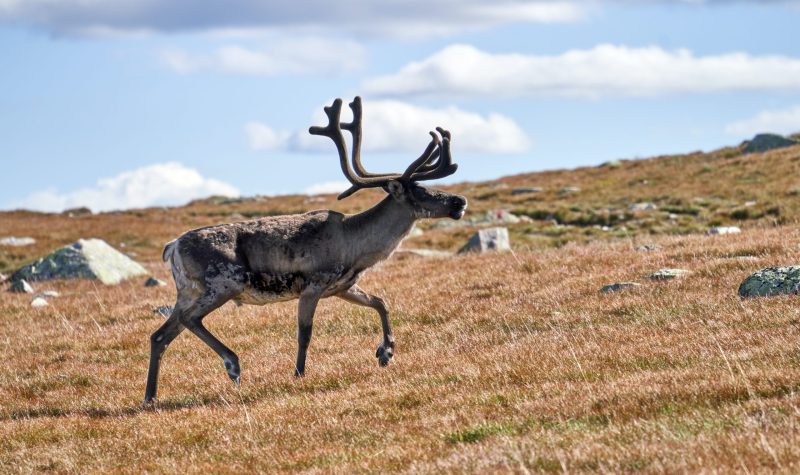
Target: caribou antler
<point>435,162</point>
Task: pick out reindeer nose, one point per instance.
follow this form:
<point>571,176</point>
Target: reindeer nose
<point>459,201</point>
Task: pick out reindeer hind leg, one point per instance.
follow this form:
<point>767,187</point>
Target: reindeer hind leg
<point>159,341</point>
<point>192,319</point>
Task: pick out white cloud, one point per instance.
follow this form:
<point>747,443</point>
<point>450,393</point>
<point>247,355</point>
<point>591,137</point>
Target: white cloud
<point>395,126</point>
<point>161,184</point>
<point>264,137</point>
<point>784,121</point>
<point>409,18</point>
<point>296,56</point>
<point>327,188</point>
<point>605,70</point>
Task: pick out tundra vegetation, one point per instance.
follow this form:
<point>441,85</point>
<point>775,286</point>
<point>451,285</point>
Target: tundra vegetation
<point>507,362</point>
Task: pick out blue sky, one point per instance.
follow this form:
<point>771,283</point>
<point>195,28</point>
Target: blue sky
<point>132,103</point>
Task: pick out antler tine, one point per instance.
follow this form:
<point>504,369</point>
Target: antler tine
<point>441,168</point>
<point>334,132</point>
<point>423,159</point>
<point>354,128</point>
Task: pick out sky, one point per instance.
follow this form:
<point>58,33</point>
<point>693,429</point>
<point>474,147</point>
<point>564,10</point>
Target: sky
<point>117,104</point>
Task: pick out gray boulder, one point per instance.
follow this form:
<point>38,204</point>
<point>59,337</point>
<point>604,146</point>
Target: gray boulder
<point>489,239</point>
<point>84,259</point>
<point>772,281</point>
<point>764,142</point>
<point>21,286</point>
<point>617,286</point>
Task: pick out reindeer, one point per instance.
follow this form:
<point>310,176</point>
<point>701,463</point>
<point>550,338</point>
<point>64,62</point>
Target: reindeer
<point>309,256</point>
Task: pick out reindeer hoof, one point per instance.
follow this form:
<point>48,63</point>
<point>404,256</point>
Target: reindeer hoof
<point>233,370</point>
<point>384,355</point>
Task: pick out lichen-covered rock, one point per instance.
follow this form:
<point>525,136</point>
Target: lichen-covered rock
<point>617,286</point>
<point>764,142</point>
<point>84,259</point>
<point>489,239</point>
<point>21,286</point>
<point>669,274</point>
<point>772,281</point>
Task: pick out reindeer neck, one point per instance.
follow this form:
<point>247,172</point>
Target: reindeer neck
<point>376,232</point>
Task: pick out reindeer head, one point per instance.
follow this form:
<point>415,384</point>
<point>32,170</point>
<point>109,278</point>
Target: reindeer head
<point>435,162</point>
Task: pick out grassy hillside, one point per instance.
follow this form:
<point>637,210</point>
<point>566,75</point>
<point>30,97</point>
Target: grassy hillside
<point>691,192</point>
<point>510,363</point>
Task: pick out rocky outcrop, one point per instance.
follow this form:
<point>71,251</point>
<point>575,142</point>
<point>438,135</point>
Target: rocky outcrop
<point>764,142</point>
<point>84,259</point>
<point>487,240</point>
<point>772,281</point>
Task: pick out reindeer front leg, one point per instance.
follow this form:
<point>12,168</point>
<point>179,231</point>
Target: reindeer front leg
<point>357,296</point>
<point>305,320</point>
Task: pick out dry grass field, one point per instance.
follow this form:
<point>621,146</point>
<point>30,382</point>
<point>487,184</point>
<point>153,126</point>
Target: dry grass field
<point>504,363</point>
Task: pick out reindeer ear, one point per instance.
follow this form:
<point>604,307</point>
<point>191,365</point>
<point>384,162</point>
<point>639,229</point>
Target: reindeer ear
<point>395,188</point>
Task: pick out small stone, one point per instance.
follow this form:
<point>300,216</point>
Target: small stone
<point>611,164</point>
<point>163,310</point>
<point>719,230</point>
<point>3,277</point>
<point>498,216</point>
<point>415,231</point>
<point>750,203</point>
<point>153,282</point>
<point>569,189</point>
<point>21,286</point>
<point>772,281</point>
<point>489,239</point>
<point>669,274</point>
<point>48,294</point>
<point>648,247</point>
<point>617,286</point>
<point>426,252</point>
<point>39,302</point>
<point>525,191</point>
<point>17,241</point>
<point>643,206</point>
<point>75,212</point>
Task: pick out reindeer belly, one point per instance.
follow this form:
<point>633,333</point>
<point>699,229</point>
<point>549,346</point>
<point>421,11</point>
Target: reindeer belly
<point>262,288</point>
